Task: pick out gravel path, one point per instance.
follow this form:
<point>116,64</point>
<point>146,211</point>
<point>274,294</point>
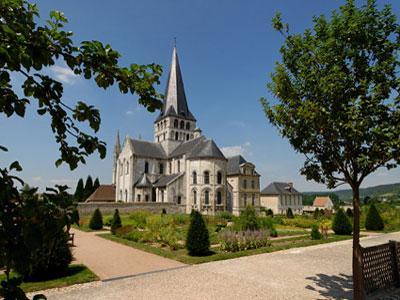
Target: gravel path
<point>112,260</point>
<point>317,272</point>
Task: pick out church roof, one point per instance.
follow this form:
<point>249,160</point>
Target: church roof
<point>164,180</point>
<point>206,149</point>
<point>175,103</point>
<point>278,188</point>
<point>234,162</point>
<point>186,147</point>
<point>143,181</point>
<point>148,149</point>
<point>117,146</point>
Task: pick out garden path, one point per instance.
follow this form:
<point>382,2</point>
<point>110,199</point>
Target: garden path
<point>111,260</point>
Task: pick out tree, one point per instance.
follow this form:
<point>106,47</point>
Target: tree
<point>315,234</point>
<point>338,95</point>
<point>341,223</point>
<point>248,219</point>
<point>374,220</point>
<point>28,49</point>
<point>79,191</point>
<point>96,221</point>
<point>116,222</point>
<point>96,184</point>
<point>197,240</point>
<point>289,213</point>
<point>88,187</point>
<point>349,212</point>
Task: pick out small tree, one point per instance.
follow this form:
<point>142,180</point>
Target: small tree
<point>349,212</point>
<point>96,222</point>
<point>79,191</point>
<point>315,234</point>
<point>116,222</point>
<point>289,213</point>
<point>248,218</point>
<point>374,220</point>
<point>88,187</point>
<point>341,224</point>
<point>96,184</point>
<point>270,212</point>
<point>197,241</point>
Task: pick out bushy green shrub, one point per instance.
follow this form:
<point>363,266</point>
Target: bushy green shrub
<point>289,213</point>
<point>349,212</point>
<point>139,218</point>
<point>225,215</point>
<point>164,211</point>
<point>341,223</point>
<point>108,220</point>
<point>133,235</point>
<point>180,219</point>
<point>315,234</point>
<point>231,241</point>
<point>374,220</point>
<point>273,232</point>
<point>197,241</point>
<point>248,219</point>
<point>316,213</point>
<point>270,212</point>
<point>299,221</point>
<point>96,222</point>
<point>116,222</point>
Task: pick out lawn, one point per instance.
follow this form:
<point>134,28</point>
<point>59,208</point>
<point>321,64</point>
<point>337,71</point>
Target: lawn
<point>74,275</point>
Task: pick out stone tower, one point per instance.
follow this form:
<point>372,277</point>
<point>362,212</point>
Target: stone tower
<point>175,123</point>
<point>117,151</point>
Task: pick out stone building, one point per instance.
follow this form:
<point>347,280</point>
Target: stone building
<point>279,196</point>
<point>181,165</point>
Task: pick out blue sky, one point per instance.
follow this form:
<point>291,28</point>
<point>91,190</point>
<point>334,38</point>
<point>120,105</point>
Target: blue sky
<point>227,50</point>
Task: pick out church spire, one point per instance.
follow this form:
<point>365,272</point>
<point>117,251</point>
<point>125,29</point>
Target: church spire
<point>117,147</point>
<point>175,103</point>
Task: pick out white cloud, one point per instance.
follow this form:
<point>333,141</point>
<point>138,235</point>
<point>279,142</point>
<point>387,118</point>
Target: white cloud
<point>64,74</point>
<point>37,178</point>
<point>133,111</point>
<point>237,150</point>
<point>62,181</point>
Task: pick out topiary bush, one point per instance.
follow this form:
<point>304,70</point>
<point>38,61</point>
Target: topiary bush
<point>248,219</point>
<point>289,213</point>
<point>116,222</point>
<point>341,223</point>
<point>270,212</point>
<point>349,212</point>
<point>315,234</point>
<point>374,220</point>
<point>96,222</point>
<point>197,240</point>
<point>164,211</point>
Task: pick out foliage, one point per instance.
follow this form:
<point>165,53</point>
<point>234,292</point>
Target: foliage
<point>164,211</point>
<point>270,212</point>
<point>243,240</point>
<point>139,218</point>
<point>315,234</point>
<point>197,241</point>
<point>96,222</point>
<point>374,220</point>
<point>289,213</point>
<point>225,215</point>
<point>299,221</point>
<point>116,222</point>
<point>317,213</point>
<point>88,187</point>
<point>79,194</point>
<point>341,223</point>
<point>248,219</point>
<point>96,184</point>
<point>349,212</point>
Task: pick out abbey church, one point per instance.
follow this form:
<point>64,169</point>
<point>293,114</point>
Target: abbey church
<point>181,165</point>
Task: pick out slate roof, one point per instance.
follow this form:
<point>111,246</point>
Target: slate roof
<point>164,180</point>
<point>148,149</point>
<point>175,103</point>
<point>234,162</point>
<point>143,182</point>
<point>104,193</point>
<point>206,149</point>
<point>186,147</point>
<point>278,188</point>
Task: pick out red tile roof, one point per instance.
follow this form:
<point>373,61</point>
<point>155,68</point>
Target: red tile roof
<point>321,201</point>
<point>104,193</point>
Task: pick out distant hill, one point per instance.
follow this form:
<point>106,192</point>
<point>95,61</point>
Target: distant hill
<point>388,191</point>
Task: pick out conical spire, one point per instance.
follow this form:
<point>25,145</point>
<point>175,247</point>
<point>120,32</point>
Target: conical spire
<point>175,99</point>
<point>117,147</point>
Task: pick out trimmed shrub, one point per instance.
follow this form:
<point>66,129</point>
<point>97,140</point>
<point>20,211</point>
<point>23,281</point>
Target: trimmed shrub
<point>341,223</point>
<point>248,219</point>
<point>374,220</point>
<point>197,241</point>
<point>116,222</point>
<point>315,234</point>
<point>270,212</point>
<point>349,212</point>
<point>164,211</point>
<point>289,213</point>
<point>231,241</point>
<point>96,222</point>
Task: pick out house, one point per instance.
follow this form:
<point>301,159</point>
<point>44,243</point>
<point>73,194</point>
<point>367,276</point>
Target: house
<point>104,193</point>
<point>243,185</point>
<point>279,196</point>
<point>323,202</point>
<point>180,165</point>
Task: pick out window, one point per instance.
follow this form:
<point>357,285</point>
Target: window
<point>170,167</point>
<point>245,199</point>
<point>126,196</point>
<point>194,175</point>
<point>138,198</point>
<point>219,197</point>
<point>194,197</point>
<point>252,184</point>
<point>127,167</point>
<point>245,184</point>
<point>176,136</point>
<point>120,194</point>
<point>179,166</point>
<point>147,198</point>
<point>161,166</point>
<point>219,178</point>
<point>206,177</point>
<point>182,125</point>
<point>187,137</point>
<point>187,126</point>
<point>146,167</point>
<point>162,195</point>
<point>253,199</point>
<point>206,197</point>
<point>164,136</point>
<point>179,199</point>
<point>175,123</point>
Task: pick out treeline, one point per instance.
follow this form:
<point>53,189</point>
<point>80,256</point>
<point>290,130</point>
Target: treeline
<point>83,191</point>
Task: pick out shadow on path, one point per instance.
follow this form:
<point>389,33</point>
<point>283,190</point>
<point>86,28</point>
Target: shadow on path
<point>332,286</point>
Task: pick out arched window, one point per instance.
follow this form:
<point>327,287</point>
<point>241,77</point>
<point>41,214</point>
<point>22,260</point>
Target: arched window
<point>194,174</point>
<point>179,199</point>
<point>126,196</point>
<point>170,167</point>
<point>127,167</point>
<point>164,136</point>
<point>138,198</point>
<point>182,125</point>
<point>245,184</point>
<point>147,198</point>
<point>176,136</point>
<point>219,197</point>
<point>120,194</point>
<point>206,177</point>
<point>187,136</point>
<point>146,167</point>
<point>187,126</point>
<point>219,178</point>
<point>206,197</point>
<point>194,197</point>
<point>179,166</point>
<point>161,166</point>
<point>175,123</point>
<point>162,195</point>
<point>158,126</point>
<point>252,184</point>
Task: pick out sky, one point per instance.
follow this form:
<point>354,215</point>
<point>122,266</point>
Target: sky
<point>227,51</point>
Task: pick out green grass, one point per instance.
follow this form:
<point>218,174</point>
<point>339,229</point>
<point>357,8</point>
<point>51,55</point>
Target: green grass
<point>74,275</point>
<point>184,257</point>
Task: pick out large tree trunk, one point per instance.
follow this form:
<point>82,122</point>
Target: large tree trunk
<point>358,287</point>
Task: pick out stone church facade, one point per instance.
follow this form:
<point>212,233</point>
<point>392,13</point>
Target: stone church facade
<point>181,165</point>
